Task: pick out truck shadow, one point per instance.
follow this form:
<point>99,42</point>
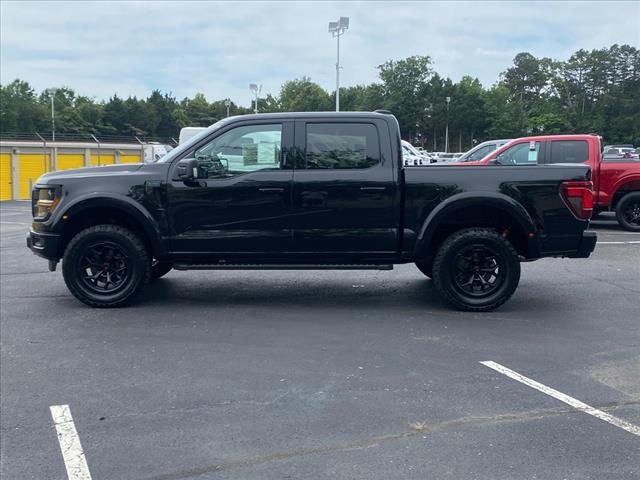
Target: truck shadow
<point>366,295</point>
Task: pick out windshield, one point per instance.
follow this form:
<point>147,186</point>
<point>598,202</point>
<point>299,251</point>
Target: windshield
<point>193,140</point>
<point>412,150</point>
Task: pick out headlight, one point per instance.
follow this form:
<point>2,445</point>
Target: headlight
<point>44,201</point>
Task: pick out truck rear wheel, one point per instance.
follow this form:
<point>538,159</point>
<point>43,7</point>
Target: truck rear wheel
<point>628,212</point>
<point>476,270</point>
<point>105,265</point>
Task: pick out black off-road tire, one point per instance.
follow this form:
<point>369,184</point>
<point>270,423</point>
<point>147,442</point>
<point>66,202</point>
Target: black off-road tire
<point>452,250</point>
<point>159,269</point>
<point>130,249</point>
<point>426,268</point>
<point>628,212</point>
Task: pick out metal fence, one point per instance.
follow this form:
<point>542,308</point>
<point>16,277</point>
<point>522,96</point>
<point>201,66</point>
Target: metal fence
<point>24,160</point>
<point>84,137</point>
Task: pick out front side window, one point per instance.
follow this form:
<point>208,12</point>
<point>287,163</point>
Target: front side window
<point>521,154</point>
<point>569,151</point>
<point>241,150</point>
<point>342,146</point>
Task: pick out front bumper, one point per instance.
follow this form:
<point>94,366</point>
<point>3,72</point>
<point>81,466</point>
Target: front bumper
<point>587,245</point>
<point>44,245</point>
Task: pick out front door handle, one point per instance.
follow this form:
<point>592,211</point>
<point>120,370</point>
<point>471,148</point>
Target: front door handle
<point>271,190</point>
<point>372,189</point>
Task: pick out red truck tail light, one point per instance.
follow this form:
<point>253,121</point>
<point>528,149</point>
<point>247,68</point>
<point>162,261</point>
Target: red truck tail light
<point>579,198</point>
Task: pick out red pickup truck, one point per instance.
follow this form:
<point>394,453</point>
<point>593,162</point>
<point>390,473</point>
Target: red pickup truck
<point>616,179</point>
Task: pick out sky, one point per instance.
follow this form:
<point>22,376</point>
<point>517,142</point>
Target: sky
<point>99,48</point>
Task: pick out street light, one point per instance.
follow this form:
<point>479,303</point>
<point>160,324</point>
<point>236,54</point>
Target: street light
<point>336,29</point>
<point>227,103</point>
<point>446,141</point>
<point>52,92</point>
<point>255,89</point>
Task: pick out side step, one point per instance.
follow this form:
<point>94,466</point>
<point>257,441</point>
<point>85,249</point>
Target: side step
<point>277,266</point>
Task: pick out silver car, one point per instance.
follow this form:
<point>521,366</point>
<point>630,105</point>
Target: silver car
<point>482,150</point>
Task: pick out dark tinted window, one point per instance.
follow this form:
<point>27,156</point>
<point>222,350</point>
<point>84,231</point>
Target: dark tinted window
<point>569,151</point>
<point>342,145</point>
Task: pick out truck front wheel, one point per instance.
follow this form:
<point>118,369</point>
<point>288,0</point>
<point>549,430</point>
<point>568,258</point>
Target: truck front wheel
<point>476,270</point>
<point>628,212</point>
<point>105,265</point>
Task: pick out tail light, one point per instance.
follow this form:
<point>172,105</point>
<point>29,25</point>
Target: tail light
<point>579,198</point>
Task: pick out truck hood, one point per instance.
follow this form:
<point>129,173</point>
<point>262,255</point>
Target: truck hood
<point>55,177</point>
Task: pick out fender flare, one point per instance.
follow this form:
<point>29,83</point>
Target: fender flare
<point>457,202</point>
<point>630,178</point>
<point>122,203</point>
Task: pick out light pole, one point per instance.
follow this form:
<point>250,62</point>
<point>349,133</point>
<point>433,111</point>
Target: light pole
<point>52,91</point>
<point>255,89</point>
<point>336,29</point>
<point>446,141</point>
<point>227,103</point>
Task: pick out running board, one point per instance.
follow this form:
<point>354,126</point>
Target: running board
<point>277,266</point>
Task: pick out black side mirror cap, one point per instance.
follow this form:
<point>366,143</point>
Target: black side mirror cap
<point>187,169</point>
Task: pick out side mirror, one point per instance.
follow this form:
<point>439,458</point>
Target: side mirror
<point>187,169</point>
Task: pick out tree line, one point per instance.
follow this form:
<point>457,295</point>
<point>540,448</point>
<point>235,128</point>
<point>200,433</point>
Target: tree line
<point>592,91</point>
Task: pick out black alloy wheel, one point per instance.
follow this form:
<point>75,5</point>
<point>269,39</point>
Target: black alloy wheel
<point>628,212</point>
<point>476,270</point>
<point>104,267</point>
<point>631,213</point>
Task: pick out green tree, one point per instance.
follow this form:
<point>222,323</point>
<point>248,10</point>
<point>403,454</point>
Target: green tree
<point>303,95</point>
<point>404,88</point>
<point>20,110</point>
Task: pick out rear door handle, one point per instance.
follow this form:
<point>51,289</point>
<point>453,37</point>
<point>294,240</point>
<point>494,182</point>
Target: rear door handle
<point>372,189</point>
<point>271,190</point>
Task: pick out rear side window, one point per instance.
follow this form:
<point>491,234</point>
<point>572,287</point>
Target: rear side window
<point>342,145</point>
<point>569,151</point>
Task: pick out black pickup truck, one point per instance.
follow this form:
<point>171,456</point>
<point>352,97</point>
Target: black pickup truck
<point>307,191</point>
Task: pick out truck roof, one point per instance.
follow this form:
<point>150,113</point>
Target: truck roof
<point>281,115</point>
<point>572,136</point>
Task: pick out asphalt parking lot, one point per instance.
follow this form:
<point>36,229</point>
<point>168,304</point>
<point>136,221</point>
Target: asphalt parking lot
<point>309,375</point>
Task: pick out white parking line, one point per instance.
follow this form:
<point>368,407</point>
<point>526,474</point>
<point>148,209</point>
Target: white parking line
<point>577,404</point>
<point>72,453</point>
<point>15,223</point>
<point>619,243</point>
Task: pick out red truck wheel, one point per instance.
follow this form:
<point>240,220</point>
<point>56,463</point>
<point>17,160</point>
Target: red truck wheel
<point>628,212</point>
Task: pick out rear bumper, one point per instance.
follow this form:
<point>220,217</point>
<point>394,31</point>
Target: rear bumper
<point>587,245</point>
<point>44,245</point>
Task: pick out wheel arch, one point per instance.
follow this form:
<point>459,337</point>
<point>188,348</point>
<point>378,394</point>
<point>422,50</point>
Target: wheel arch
<point>624,186</point>
<point>465,210</point>
<point>87,211</point>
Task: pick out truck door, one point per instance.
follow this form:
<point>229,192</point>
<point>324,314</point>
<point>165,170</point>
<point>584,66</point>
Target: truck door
<point>240,204</point>
<point>345,190</point>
